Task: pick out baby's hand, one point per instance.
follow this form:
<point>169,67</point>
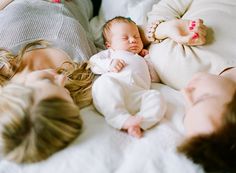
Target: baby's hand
<point>144,52</point>
<point>117,65</point>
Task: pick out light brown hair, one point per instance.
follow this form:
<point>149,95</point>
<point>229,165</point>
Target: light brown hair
<point>32,132</point>
<point>108,25</point>
<point>80,76</point>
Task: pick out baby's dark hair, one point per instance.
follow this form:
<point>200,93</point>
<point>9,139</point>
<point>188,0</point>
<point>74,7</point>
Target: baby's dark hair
<point>107,26</point>
<point>216,152</point>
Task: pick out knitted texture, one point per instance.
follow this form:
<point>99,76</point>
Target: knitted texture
<point>23,21</point>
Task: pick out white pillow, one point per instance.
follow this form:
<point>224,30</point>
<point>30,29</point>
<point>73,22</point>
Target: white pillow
<point>135,9</point>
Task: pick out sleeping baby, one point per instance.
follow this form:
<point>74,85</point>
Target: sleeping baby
<point>122,93</point>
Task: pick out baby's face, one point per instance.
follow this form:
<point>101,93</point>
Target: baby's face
<point>125,36</point>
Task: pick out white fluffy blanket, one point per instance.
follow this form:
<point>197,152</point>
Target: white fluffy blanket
<point>102,149</point>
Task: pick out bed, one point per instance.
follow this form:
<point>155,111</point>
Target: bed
<point>102,149</point>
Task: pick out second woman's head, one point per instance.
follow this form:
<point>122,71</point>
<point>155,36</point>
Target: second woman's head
<point>37,117</point>
<point>210,122</point>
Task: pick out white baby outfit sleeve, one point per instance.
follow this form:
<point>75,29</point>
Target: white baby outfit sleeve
<point>100,62</point>
<point>153,74</point>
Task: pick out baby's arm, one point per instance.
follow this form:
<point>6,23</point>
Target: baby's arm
<point>4,3</point>
<point>102,62</point>
<point>117,65</point>
<point>144,52</point>
<point>153,74</point>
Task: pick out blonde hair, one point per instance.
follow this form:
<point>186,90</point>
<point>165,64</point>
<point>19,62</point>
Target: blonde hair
<point>32,132</point>
<point>108,25</point>
<point>79,83</point>
<point>80,76</point>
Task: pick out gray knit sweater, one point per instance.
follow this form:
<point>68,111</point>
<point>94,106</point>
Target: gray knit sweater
<point>23,21</point>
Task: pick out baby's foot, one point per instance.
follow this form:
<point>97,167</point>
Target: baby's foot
<point>132,121</point>
<point>135,131</point>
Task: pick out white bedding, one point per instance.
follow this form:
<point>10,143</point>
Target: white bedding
<point>102,149</point>
<point>135,9</point>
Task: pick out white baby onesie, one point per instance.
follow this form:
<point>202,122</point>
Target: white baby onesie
<point>127,93</point>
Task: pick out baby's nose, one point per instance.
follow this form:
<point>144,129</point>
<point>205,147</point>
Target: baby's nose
<point>132,40</point>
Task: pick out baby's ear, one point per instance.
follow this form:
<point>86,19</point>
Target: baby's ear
<point>107,44</point>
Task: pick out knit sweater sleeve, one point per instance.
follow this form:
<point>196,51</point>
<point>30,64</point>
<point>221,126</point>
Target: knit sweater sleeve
<point>168,9</point>
<point>24,21</point>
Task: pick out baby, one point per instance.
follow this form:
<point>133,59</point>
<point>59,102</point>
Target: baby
<point>122,93</point>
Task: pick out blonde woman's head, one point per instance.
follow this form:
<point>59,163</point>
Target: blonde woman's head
<point>79,75</point>
<point>215,151</point>
<point>10,63</point>
<point>40,114</point>
<point>30,130</point>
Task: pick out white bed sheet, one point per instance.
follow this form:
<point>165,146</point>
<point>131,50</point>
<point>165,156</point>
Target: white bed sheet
<point>102,149</point>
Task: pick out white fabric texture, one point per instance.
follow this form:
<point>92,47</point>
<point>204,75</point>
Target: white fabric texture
<point>135,72</point>
<point>176,63</point>
<point>103,149</point>
<point>135,9</point>
<point>127,93</point>
<point>100,63</point>
<point>66,26</point>
<point>117,101</point>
